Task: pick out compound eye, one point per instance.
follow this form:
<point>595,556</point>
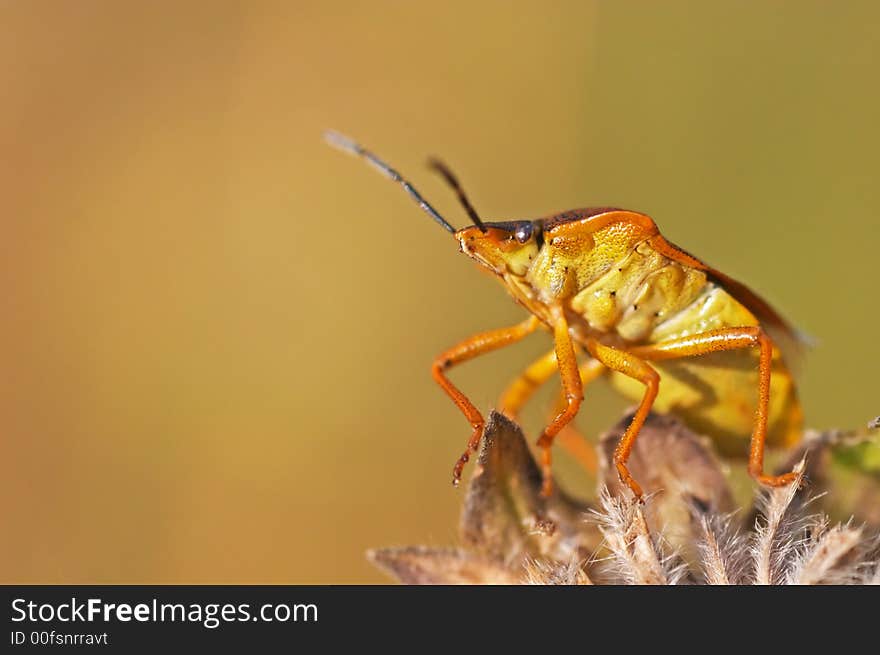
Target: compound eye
<point>523,232</point>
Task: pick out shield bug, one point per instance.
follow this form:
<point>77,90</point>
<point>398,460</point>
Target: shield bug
<point>671,331</point>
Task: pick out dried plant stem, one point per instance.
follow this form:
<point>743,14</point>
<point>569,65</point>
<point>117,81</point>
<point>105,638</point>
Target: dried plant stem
<point>771,545</point>
<point>638,558</point>
<point>713,560</point>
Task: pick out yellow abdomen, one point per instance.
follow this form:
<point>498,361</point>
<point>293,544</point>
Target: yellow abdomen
<point>716,394</point>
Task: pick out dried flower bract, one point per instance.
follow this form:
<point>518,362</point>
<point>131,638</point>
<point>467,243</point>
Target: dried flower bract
<point>687,530</point>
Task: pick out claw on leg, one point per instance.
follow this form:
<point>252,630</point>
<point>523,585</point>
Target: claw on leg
<point>777,480</point>
<point>627,479</point>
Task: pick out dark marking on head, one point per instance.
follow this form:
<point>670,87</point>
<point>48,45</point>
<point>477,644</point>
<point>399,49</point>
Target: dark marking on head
<point>522,231</point>
<point>538,231</point>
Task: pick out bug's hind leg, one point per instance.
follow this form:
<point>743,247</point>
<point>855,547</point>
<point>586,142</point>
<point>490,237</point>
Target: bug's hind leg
<point>731,339</point>
<point>759,434</point>
<point>468,349</point>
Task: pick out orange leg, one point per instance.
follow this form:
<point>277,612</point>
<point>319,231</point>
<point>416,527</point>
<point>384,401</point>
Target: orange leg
<point>574,394</point>
<point>522,388</point>
<point>631,366</point>
<point>570,437</point>
<point>731,339</point>
<point>468,349</point>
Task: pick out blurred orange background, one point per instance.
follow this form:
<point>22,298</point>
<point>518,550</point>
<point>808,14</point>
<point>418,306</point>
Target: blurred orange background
<point>217,332</point>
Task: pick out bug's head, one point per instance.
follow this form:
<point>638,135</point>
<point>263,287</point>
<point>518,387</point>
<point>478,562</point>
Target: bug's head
<point>502,247</point>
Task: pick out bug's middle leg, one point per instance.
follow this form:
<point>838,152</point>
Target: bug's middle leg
<point>524,386</point>
<point>569,437</point>
<point>572,388</point>
<point>468,349</point>
<point>631,366</point>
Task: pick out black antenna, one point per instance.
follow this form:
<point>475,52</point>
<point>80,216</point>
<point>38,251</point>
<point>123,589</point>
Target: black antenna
<point>345,144</point>
<point>449,176</point>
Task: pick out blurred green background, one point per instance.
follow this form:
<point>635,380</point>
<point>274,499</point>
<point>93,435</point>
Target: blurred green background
<point>217,332</point>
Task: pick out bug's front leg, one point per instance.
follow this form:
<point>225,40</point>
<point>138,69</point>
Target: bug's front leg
<point>462,352</point>
<point>572,388</point>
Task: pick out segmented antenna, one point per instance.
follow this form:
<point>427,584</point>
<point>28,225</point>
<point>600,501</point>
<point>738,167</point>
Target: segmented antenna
<point>345,144</point>
<point>450,178</point>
